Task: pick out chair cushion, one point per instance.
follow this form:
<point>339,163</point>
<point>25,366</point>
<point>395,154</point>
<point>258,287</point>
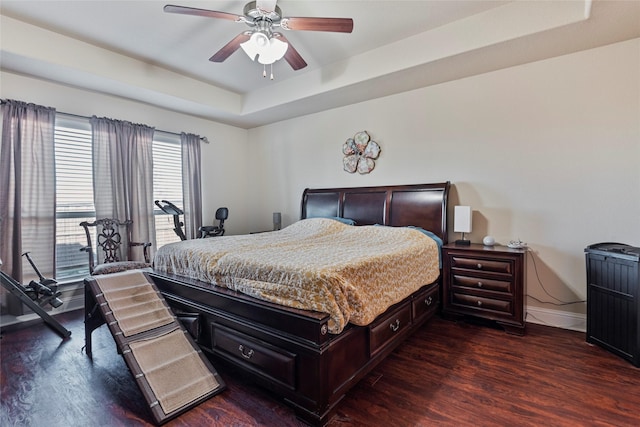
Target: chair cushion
<point>116,267</point>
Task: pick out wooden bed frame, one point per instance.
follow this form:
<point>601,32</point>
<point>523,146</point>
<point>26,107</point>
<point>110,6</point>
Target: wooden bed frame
<point>289,351</point>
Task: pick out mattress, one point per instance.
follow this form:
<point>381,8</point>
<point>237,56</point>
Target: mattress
<point>352,273</point>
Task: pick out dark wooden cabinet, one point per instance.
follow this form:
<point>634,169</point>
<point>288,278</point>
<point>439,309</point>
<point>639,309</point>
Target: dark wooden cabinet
<point>486,282</point>
<point>613,299</point>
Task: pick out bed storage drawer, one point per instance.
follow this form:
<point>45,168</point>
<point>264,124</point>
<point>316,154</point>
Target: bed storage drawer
<point>425,302</point>
<point>256,355</point>
<point>389,326</point>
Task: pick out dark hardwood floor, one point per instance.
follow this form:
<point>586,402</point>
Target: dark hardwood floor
<point>446,374</point>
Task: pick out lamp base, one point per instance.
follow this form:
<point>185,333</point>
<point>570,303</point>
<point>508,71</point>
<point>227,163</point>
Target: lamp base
<point>463,242</point>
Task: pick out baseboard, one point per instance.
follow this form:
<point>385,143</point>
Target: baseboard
<point>557,318</point>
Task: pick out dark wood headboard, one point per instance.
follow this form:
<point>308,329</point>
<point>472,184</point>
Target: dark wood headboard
<point>420,205</point>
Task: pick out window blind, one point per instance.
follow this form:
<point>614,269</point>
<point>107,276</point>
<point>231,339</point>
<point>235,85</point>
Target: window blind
<point>167,183</point>
<point>74,195</point>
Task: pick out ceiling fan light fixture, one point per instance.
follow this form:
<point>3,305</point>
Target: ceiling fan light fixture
<point>273,52</point>
<point>268,50</point>
<point>255,44</point>
<point>261,40</point>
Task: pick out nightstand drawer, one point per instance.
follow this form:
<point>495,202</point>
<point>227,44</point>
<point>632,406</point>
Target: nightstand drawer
<point>482,283</point>
<point>483,304</point>
<point>480,264</point>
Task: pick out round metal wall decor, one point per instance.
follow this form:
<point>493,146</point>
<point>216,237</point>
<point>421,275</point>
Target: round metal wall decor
<point>360,153</point>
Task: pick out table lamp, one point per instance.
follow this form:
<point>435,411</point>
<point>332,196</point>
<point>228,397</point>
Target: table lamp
<point>462,223</point>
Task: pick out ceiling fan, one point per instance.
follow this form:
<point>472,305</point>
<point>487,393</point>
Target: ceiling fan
<point>260,40</point>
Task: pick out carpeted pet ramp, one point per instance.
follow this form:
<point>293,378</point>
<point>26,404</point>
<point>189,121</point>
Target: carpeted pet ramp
<point>170,369</point>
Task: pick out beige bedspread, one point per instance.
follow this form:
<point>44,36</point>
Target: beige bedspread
<point>352,273</point>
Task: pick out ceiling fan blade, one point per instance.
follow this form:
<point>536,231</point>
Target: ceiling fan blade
<point>170,8</point>
<point>230,47</point>
<point>291,56</point>
<point>338,25</point>
<point>266,5</point>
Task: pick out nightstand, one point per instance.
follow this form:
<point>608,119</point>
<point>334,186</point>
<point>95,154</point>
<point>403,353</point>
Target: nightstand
<point>486,282</point>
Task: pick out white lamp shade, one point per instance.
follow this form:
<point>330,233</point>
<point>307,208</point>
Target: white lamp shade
<point>273,52</point>
<point>267,50</point>
<point>251,47</point>
<point>462,219</point>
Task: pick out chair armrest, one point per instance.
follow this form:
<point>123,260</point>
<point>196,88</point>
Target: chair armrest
<point>89,250</point>
<point>145,249</point>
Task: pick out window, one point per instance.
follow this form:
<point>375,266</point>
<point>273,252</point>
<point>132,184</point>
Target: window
<point>74,191</point>
<point>167,183</point>
<point>74,195</point>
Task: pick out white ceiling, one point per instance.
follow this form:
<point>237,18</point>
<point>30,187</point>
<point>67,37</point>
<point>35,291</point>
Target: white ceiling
<point>134,50</point>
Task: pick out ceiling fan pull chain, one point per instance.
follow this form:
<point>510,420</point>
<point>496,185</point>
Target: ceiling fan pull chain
<point>264,71</point>
<point>271,71</point>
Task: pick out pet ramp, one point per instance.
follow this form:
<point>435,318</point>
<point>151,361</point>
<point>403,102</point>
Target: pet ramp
<point>168,366</point>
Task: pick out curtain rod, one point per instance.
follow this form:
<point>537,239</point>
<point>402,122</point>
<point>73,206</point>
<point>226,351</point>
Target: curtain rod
<point>202,138</point>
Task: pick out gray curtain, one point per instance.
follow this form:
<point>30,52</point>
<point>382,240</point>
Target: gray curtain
<point>27,193</point>
<point>123,177</point>
<point>191,184</point>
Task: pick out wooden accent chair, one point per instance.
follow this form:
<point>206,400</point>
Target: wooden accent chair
<point>114,241</point>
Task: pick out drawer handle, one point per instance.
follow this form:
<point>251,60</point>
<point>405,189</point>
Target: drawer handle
<point>479,284</point>
<point>479,303</point>
<point>395,326</point>
<point>479,266</point>
<point>245,354</point>
<point>428,300</point>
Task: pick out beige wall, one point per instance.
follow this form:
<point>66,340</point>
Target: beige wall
<point>547,152</point>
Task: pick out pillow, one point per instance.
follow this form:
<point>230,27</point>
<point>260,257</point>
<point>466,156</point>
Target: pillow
<point>437,239</point>
<point>428,234</point>
<point>347,221</point>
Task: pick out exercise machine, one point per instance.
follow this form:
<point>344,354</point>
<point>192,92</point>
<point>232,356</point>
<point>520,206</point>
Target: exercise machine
<point>171,209</point>
<point>36,295</point>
